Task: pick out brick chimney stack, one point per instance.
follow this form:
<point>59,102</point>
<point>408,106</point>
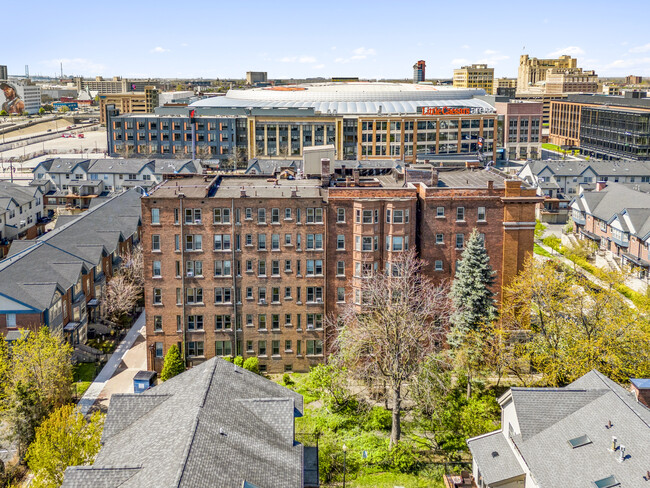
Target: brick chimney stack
<point>325,171</point>
<point>601,185</point>
<point>434,178</point>
<point>641,389</point>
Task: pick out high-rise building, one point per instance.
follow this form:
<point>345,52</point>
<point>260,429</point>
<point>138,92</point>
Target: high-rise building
<point>629,80</point>
<point>132,102</point>
<point>419,71</point>
<point>253,266</point>
<point>3,72</point>
<point>505,87</point>
<point>533,70</point>
<point>575,80</point>
<point>475,76</point>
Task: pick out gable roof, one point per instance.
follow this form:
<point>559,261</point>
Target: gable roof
<point>221,426</point>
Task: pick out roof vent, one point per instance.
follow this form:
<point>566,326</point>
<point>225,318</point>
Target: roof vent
<point>221,431</point>
<point>495,454</point>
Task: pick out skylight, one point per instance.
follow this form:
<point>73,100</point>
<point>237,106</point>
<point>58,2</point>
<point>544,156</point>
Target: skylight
<point>608,482</point>
<point>583,440</point>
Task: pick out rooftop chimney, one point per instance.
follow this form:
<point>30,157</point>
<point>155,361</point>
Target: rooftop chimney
<point>294,192</point>
<point>242,192</point>
<point>641,390</point>
<point>490,184</point>
<point>325,171</point>
<point>600,185</point>
<point>355,175</point>
<point>434,178</point>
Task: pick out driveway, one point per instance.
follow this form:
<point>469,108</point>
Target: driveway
<point>117,376</point>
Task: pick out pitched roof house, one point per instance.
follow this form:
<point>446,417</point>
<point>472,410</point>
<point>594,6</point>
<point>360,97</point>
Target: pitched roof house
<point>591,433</point>
<point>214,425</point>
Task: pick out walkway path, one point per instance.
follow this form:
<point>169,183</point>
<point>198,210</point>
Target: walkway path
<point>94,390</point>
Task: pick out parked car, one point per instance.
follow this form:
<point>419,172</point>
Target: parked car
<point>80,136</point>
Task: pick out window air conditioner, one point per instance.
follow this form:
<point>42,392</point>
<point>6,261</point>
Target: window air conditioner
<point>190,274</point>
<point>310,327</point>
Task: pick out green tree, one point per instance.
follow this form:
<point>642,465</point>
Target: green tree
<point>330,382</point>
<point>3,113</point>
<point>173,364</point>
<point>252,364</point>
<point>239,361</point>
<point>41,111</point>
<point>64,439</point>
<point>25,413</point>
<point>63,109</point>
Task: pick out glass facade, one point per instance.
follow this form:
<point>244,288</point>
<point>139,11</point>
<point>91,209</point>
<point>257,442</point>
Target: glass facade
<point>615,133</point>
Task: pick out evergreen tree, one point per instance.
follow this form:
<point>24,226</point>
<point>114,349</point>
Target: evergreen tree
<point>173,364</point>
<point>471,295</point>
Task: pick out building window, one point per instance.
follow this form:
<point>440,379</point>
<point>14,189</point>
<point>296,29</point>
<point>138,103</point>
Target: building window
<point>275,242</point>
<point>156,269</point>
<point>261,216</point>
<point>223,322</point>
<point>314,347</point>
<point>314,321</point>
<point>275,321</point>
<point>340,268</point>
<point>261,268</point>
<point>159,349</point>
<point>222,268</point>
<point>275,268</point>
<point>275,348</point>
<point>275,215</point>
<point>194,242</point>
<point>340,294</point>
<point>195,348</point>
<point>460,214</point>
<point>157,296</point>
<point>438,265</point>
<point>261,321</point>
<point>222,242</point>
<point>155,242</point>
<point>221,215</point>
<point>340,242</point>
<point>195,322</point>
<point>155,215</point>
<point>314,294</point>
<point>481,214</point>
<point>440,211</point>
<point>194,295</point>
<point>193,268</point>
<point>287,266</point>
<point>248,214</point>
<point>287,214</point>
<point>287,239</point>
<point>340,215</point>
<point>261,347</point>
<point>261,242</point>
<point>223,348</point>
<point>315,215</point>
<point>221,295</point>
<point>157,323</point>
<point>440,238</point>
<point>192,215</point>
<point>460,241</point>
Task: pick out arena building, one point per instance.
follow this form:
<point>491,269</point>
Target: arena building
<point>363,120</point>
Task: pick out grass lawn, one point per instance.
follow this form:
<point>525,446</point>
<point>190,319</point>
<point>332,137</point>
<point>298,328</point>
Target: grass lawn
<point>541,251</point>
<point>81,387</point>
<point>390,480</point>
<point>83,375</point>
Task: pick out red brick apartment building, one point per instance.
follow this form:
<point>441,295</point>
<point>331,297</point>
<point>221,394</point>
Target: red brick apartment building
<point>252,265</point>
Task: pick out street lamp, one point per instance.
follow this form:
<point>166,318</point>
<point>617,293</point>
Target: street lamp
<point>345,450</point>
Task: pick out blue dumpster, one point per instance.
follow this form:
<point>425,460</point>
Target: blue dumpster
<point>143,380</point>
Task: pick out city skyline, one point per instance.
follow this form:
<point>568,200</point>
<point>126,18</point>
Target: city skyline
<point>302,40</point>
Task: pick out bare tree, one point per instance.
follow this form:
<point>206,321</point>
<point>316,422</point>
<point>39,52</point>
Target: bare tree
<point>401,318</point>
<point>121,296</point>
<point>133,265</point>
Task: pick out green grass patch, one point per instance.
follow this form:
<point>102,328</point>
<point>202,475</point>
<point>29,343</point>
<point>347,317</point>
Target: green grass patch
<point>558,149</point>
<point>541,251</point>
<point>390,480</point>
<point>83,372</point>
<point>81,387</point>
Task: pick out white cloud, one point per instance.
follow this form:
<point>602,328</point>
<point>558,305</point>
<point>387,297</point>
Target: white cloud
<point>641,49</point>
<point>184,44</point>
<point>357,55</point>
<point>490,51</point>
<point>569,51</point>
<point>319,66</point>
<point>159,49</point>
<point>333,48</point>
<point>629,63</point>
<point>298,59</point>
<point>465,46</point>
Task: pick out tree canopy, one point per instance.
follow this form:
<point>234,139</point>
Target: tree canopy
<point>173,364</point>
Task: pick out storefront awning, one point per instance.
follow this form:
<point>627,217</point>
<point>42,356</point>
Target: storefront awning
<point>71,326</point>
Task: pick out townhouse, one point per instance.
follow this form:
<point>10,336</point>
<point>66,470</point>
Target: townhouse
<point>77,181</point>
<point>58,279</point>
<point>617,218</point>
<point>559,181</point>
<point>21,213</point>
<point>254,264</point>
<point>591,432</point>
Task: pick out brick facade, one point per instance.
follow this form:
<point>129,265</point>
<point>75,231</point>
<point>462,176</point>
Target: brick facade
<point>319,241</point>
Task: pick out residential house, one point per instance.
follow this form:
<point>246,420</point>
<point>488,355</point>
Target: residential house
<point>58,279</point>
<point>617,217</point>
<point>21,213</point>
<point>213,425</point>
<point>77,181</point>
<point>592,432</point>
<point>559,181</point>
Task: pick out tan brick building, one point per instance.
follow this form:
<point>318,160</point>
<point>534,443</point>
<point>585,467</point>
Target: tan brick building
<point>253,265</point>
<point>475,76</point>
<point>131,102</point>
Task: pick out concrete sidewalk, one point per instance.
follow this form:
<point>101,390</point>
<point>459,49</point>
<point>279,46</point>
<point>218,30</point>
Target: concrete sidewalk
<point>116,360</point>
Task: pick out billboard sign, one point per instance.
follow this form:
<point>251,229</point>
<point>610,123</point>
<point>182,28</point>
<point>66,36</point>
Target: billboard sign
<point>454,110</point>
<point>10,100</point>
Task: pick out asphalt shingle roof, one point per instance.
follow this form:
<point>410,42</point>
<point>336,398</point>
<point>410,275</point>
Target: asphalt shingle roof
<point>214,425</point>
<point>495,468</point>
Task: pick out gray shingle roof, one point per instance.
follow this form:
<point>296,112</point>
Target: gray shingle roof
<point>214,425</point>
<point>495,468</point>
<point>549,418</point>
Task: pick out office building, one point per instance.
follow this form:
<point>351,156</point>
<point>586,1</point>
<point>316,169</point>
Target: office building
<point>113,86</point>
<point>520,126</point>
<point>532,71</point>
<point>253,265</point>
<point>419,71</point>
<point>561,81</point>
<point>505,87</point>
<point>3,72</point>
<point>254,77</point>
<point>605,127</point>
<point>362,120</point>
<point>475,76</point>
<point>133,102</point>
<point>633,80</point>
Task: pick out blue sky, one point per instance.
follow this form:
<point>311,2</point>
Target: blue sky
<point>369,39</point>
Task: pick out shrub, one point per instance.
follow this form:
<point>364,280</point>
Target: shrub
<point>173,364</point>
<point>252,364</point>
<point>239,361</point>
<point>404,458</point>
<point>227,358</point>
<point>378,418</point>
<point>286,379</point>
